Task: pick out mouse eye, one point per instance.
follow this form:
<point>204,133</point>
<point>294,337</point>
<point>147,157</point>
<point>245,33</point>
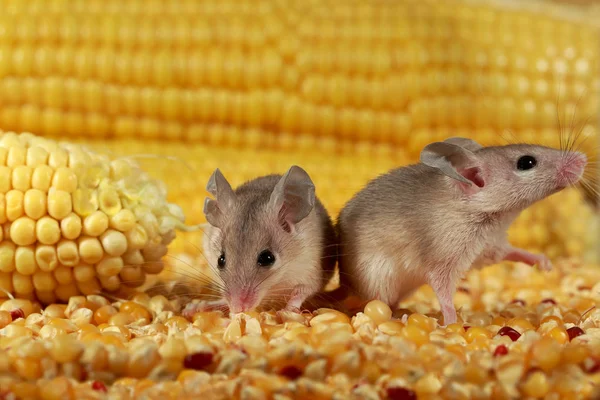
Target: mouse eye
<point>526,162</point>
<point>221,261</point>
<point>266,259</point>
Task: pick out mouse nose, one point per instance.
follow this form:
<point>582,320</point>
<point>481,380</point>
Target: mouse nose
<point>243,302</point>
<point>572,168</point>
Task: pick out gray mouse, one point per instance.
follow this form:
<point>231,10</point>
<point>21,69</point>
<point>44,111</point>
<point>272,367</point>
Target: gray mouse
<point>430,222</point>
<point>271,241</point>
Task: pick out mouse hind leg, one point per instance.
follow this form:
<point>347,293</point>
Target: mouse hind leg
<point>443,283</point>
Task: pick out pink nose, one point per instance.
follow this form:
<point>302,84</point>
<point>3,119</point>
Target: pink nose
<point>572,168</point>
<point>244,301</point>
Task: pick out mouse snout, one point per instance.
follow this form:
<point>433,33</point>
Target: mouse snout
<point>571,168</point>
<point>244,301</point>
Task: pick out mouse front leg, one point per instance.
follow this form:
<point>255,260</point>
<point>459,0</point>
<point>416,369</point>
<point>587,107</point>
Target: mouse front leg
<point>519,255</point>
<point>298,297</point>
<point>214,305</point>
<point>443,283</point>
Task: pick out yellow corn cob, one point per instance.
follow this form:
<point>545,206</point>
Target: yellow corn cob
<point>73,221</point>
<point>232,74</point>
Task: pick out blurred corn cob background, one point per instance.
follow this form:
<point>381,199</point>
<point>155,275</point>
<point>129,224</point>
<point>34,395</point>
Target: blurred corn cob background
<point>347,89</point>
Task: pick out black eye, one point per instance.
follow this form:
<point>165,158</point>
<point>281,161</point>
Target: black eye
<point>526,162</point>
<point>266,259</point>
<point>221,261</point>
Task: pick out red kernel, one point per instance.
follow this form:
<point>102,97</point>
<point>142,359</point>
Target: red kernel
<point>198,360</point>
<point>575,331</point>
<point>17,313</point>
<point>501,350</point>
<point>99,386</point>
<point>400,393</point>
<point>510,332</point>
<point>291,372</point>
<point>548,301</point>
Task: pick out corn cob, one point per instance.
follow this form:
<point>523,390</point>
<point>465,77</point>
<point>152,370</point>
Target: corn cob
<point>266,71</point>
<point>73,221</point>
<point>522,334</point>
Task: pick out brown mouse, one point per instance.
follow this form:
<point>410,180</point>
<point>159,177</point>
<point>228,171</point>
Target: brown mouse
<point>430,222</point>
<point>271,241</point>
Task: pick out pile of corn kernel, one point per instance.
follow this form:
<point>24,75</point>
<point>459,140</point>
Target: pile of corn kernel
<point>522,334</point>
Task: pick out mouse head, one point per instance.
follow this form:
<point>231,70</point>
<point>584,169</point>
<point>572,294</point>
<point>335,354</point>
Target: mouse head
<point>504,178</point>
<point>257,231</point>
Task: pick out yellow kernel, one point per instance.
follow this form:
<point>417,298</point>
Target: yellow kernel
<point>16,156</point>
<point>28,368</point>
<point>46,258</point>
<point>25,390</point>
<point>59,203</point>
<point>21,178</point>
<point>121,319</point>
<point>392,328</point>
<point>520,324</point>
<point>110,203</point>
<point>67,253</point>
<point>66,291</point>
<point>132,276</point>
<point>415,334</point>
<point>25,260</point>
<point>549,318</point>
<point>22,284</point>
<point>64,179</point>
<point>476,333</point>
<point>42,178</point>
<point>499,321</point>
<point>14,205</point>
<point>133,258</point>
<point>545,353</point>
<point>559,334</point>
<point>85,201</point>
<point>55,311</point>
<point>378,311</point>
<point>23,304</point>
<point>421,321</point>
<point>34,203</point>
<point>5,318</point>
<point>136,238</point>
<point>71,226</point>
<point>110,283</point>
<point>22,231</point>
<point>455,328</point>
<point>123,221</point>
<point>59,388</point>
<point>573,353</point>
<point>104,313</point>
<point>95,224</point>
<point>5,179</point>
<point>84,273</point>
<point>58,158</point>
<point>7,256</point>
<point>66,349</point>
<point>3,218</point>
<point>110,266</point>
<point>89,287</point>
<point>36,156</point>
<point>47,230</point>
<point>90,250</point>
<point>536,385</point>
<point>114,242</point>
<point>63,275</point>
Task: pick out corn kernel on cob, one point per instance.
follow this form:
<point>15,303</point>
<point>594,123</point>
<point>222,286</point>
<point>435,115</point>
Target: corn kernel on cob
<point>264,72</point>
<point>73,221</point>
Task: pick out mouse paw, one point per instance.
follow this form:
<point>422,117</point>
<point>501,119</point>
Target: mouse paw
<point>203,306</point>
<point>544,263</point>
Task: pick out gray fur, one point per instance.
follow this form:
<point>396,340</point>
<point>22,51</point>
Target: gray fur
<point>416,225</point>
<point>306,256</point>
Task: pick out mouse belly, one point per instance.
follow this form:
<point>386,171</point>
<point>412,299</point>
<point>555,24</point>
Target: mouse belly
<point>385,278</point>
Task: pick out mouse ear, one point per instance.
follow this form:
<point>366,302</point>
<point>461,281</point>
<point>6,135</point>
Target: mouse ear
<point>464,143</point>
<point>224,198</point>
<point>450,159</point>
<point>293,197</point>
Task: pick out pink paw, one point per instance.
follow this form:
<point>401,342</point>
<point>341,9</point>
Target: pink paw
<point>203,306</point>
<point>543,262</point>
